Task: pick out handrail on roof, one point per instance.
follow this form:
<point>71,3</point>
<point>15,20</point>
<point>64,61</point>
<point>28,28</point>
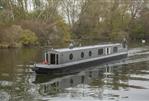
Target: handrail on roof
<point>84,47</point>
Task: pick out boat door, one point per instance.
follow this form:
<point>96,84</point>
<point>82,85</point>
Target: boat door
<point>53,58</point>
<point>46,60</point>
<point>107,50</point>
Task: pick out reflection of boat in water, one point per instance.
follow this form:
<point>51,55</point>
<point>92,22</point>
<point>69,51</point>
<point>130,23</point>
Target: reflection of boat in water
<point>62,60</point>
<point>95,77</point>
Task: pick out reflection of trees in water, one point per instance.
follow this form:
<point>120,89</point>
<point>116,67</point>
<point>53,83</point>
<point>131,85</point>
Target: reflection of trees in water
<point>16,85</point>
<point>116,77</point>
<point>14,79</point>
<point>22,87</point>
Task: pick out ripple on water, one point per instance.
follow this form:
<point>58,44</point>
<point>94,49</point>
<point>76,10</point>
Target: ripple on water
<point>120,81</point>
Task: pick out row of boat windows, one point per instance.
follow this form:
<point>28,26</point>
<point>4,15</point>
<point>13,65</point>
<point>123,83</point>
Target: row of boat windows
<point>100,52</point>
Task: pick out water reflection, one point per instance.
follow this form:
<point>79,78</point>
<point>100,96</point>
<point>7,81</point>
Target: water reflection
<point>105,76</point>
<point>54,86</point>
<point>13,78</point>
<point>95,82</point>
<point>112,81</point>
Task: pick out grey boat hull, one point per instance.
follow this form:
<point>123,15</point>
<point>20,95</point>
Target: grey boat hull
<point>76,67</point>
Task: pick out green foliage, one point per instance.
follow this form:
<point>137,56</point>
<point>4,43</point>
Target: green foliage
<point>15,36</point>
<point>87,21</point>
<point>118,36</point>
<point>64,29</point>
<point>137,31</point>
<point>10,35</point>
<point>60,34</point>
<point>28,38</point>
<point>112,20</point>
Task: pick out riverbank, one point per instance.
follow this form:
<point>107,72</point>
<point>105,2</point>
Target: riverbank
<point>7,46</point>
<point>10,46</point>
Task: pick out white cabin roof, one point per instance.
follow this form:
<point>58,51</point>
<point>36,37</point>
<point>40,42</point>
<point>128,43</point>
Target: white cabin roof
<point>85,47</point>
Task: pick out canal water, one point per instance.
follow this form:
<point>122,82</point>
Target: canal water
<point>122,80</point>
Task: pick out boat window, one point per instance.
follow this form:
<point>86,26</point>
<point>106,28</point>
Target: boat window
<point>56,58</point>
<point>53,84</point>
<point>115,49</point>
<point>100,51</point>
<point>82,79</point>
<point>71,82</point>
<point>90,74</point>
<point>107,51</point>
<point>71,56</point>
<point>82,55</point>
<point>90,53</point>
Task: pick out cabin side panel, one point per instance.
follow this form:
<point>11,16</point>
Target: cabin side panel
<point>83,54</point>
<point>77,55</point>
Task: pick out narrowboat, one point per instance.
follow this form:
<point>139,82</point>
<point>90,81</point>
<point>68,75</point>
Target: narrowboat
<point>65,59</point>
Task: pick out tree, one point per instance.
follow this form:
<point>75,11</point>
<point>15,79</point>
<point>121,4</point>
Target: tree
<point>70,9</point>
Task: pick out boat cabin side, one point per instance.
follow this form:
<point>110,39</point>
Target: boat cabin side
<point>57,57</point>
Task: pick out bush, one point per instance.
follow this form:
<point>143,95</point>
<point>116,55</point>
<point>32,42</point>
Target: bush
<point>10,36</point>
<point>16,36</point>
<point>28,38</point>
